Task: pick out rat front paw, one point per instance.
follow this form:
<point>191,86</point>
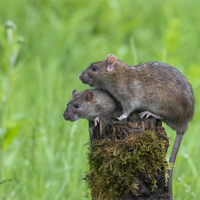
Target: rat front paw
<point>148,114</point>
<point>122,117</point>
<point>96,120</point>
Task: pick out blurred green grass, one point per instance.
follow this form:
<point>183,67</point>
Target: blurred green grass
<point>43,155</point>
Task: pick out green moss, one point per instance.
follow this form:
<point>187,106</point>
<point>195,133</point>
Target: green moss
<point>115,165</point>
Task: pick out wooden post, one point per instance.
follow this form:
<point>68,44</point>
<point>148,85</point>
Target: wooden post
<point>120,130</point>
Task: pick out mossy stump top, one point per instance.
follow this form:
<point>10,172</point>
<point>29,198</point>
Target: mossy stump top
<point>127,160</point>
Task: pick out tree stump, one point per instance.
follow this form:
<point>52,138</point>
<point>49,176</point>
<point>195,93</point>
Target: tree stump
<point>132,136</point>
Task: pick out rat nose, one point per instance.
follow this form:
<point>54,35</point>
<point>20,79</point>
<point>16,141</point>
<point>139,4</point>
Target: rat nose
<point>65,116</point>
<point>79,76</point>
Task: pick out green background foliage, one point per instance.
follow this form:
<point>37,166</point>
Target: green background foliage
<point>41,155</point>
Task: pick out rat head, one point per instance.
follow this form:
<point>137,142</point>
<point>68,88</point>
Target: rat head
<point>78,107</point>
<point>95,73</point>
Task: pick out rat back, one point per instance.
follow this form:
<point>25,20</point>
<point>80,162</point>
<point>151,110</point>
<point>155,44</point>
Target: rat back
<point>166,92</point>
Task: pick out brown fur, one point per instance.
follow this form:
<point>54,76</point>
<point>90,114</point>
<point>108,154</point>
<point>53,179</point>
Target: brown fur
<point>153,86</point>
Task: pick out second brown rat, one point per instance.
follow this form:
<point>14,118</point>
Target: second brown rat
<point>91,104</point>
<point>155,89</point>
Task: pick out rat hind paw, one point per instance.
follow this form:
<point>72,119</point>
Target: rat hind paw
<point>148,114</point>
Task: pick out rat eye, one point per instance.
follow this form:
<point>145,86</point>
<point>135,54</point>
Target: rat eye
<point>76,105</point>
<point>94,68</point>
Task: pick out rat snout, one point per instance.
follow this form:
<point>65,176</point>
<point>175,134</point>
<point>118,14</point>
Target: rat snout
<point>84,77</point>
<point>70,116</point>
<point>65,115</point>
<point>80,76</point>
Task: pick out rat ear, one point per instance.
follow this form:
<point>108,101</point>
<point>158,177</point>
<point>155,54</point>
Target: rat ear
<point>89,96</point>
<point>75,91</point>
<point>110,55</point>
<point>111,60</point>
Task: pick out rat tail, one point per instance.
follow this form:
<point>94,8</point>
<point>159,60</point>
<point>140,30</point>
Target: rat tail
<point>177,142</point>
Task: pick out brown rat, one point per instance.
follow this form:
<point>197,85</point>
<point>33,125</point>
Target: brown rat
<point>153,88</point>
<point>90,104</point>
